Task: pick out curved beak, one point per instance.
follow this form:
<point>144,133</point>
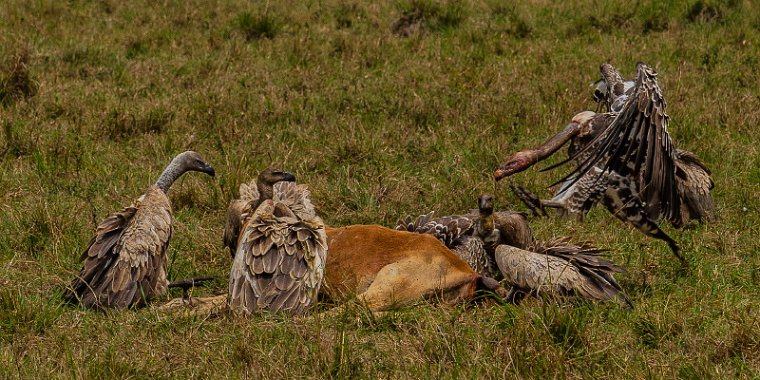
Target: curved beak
<point>498,174</point>
<point>208,169</point>
<point>289,177</point>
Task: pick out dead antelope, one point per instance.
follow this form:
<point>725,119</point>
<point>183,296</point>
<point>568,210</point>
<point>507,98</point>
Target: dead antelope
<point>386,268</point>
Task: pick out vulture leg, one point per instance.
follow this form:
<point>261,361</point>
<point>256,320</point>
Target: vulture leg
<point>530,200</point>
<point>621,200</point>
<point>565,205</point>
<point>188,283</point>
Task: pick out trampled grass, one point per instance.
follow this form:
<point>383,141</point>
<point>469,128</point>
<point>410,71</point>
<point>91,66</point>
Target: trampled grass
<point>97,96</point>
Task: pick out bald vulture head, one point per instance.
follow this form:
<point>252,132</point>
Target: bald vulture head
<point>192,161</point>
<point>485,204</point>
<point>183,162</point>
<point>266,180</point>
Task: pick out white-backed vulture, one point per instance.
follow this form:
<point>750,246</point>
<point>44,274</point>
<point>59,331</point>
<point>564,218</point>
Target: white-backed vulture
<point>125,262</point>
<point>559,269</point>
<point>626,159</point>
<point>279,254</point>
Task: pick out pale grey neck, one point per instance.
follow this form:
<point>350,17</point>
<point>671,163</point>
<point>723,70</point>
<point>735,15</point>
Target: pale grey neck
<point>173,171</point>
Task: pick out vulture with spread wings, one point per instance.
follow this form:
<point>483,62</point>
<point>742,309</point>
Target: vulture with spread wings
<point>625,159</point>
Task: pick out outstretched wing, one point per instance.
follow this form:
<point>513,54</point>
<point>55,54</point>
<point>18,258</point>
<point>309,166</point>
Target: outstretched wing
<point>448,229</point>
<point>637,145</point>
<point>279,263</point>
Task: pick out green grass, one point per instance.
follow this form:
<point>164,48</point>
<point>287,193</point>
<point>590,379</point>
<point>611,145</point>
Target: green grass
<point>96,97</point>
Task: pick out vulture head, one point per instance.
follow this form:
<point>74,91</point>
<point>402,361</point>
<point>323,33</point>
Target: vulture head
<point>192,161</point>
<point>485,204</point>
<point>515,164</point>
<point>182,163</point>
<point>249,202</point>
<point>600,91</point>
<point>266,180</point>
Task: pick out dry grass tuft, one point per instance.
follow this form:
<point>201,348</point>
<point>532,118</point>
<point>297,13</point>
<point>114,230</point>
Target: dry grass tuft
<point>15,79</point>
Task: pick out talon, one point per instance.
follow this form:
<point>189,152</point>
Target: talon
<point>530,200</point>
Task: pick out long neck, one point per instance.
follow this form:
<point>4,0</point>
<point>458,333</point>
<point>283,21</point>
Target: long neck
<point>555,142</point>
<point>173,171</point>
<point>266,191</point>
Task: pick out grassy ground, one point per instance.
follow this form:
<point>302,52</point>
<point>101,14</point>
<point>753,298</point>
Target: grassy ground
<point>97,96</point>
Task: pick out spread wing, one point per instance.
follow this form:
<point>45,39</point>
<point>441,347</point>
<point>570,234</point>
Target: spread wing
<point>559,268</point>
<point>694,185</point>
<point>279,263</point>
<point>125,263</point>
<point>447,229</point>
<point>637,145</point>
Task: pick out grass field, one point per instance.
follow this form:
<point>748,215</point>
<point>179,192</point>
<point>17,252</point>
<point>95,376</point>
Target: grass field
<point>97,96</point>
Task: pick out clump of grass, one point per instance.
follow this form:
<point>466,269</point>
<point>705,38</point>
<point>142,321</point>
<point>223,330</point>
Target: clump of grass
<point>124,124</point>
<point>347,14</point>
<point>15,79</point>
<point>652,333</point>
<point>517,25</point>
<point>20,313</point>
<point>709,11</point>
<point>136,48</point>
<point>566,328</point>
<point>428,14</point>
<point>15,144</point>
<point>258,26</point>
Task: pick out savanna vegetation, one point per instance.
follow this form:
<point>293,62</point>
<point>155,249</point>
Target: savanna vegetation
<point>385,109</point>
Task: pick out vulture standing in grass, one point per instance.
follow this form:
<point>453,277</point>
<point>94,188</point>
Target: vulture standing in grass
<point>279,246</point>
<point>125,262</point>
<point>625,159</point>
<point>559,269</point>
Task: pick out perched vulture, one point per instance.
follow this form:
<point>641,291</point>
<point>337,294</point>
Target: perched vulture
<point>280,253</point>
<point>559,269</point>
<point>125,262</point>
<point>474,236</point>
<point>625,159</point>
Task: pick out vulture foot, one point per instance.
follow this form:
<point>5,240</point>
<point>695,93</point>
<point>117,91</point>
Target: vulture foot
<point>189,283</point>
<point>530,200</point>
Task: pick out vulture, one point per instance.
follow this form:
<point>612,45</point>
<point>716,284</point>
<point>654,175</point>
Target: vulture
<point>473,237</point>
<point>500,245</point>
<point>559,268</point>
<point>125,262</point>
<point>625,159</point>
<point>279,246</point>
